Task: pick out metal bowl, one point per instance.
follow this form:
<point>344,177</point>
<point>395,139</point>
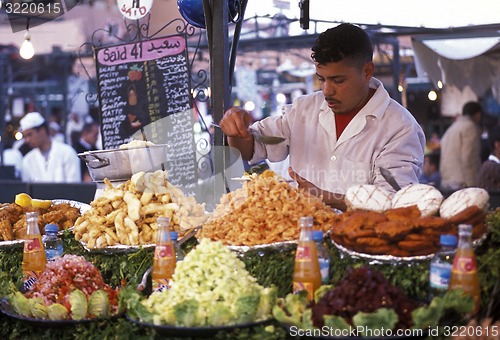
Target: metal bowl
<point>121,164</point>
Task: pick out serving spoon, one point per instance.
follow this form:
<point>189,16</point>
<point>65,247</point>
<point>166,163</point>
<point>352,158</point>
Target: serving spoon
<point>271,140</point>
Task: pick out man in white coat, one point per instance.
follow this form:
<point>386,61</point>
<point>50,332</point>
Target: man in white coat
<point>49,160</point>
<point>342,135</point>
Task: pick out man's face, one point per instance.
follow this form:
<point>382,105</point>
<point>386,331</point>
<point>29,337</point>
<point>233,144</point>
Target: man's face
<point>34,137</point>
<point>345,86</point>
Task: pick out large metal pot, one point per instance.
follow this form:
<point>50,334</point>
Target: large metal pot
<point>121,164</point>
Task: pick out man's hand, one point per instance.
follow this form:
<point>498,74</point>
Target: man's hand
<point>235,124</point>
<point>332,199</point>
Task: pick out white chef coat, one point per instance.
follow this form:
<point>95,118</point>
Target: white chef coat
<point>61,166</point>
<point>382,134</point>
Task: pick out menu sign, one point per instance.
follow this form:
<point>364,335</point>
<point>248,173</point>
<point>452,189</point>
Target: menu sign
<point>140,83</point>
<point>144,94</point>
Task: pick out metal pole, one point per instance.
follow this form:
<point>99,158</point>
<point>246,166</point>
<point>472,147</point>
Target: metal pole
<point>216,19</point>
<point>3,98</point>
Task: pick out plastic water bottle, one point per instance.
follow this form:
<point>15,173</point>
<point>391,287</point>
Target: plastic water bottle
<point>441,265</point>
<point>52,242</point>
<point>323,257</point>
<point>179,253</point>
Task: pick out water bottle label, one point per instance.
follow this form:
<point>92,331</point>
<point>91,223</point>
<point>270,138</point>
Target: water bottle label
<point>440,275</point>
<point>303,253</point>
<point>324,267</point>
<point>53,254</point>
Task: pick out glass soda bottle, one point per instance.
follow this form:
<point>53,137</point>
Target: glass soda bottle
<point>52,242</point>
<point>441,264</point>
<point>34,259</point>
<point>464,270</point>
<point>179,253</point>
<point>323,256</point>
<point>164,257</point>
<point>306,273</point>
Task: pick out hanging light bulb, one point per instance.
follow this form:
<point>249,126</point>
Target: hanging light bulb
<point>27,51</point>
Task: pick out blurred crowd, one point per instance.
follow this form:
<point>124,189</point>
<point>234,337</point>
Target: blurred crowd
<point>466,155</point>
<point>81,133</point>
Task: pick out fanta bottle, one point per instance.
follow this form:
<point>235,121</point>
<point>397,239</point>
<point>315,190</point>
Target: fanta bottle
<point>34,259</point>
<point>306,273</point>
<point>464,270</point>
<point>164,257</point>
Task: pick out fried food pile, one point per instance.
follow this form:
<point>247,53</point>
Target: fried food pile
<point>265,210</point>
<point>13,219</point>
<point>402,231</point>
<point>127,214</point>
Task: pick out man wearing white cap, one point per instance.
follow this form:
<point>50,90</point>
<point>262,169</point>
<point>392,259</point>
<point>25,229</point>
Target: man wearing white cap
<point>49,160</point>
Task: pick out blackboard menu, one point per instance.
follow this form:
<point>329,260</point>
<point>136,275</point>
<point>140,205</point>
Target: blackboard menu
<point>144,94</point>
<point>180,162</point>
<point>140,83</point>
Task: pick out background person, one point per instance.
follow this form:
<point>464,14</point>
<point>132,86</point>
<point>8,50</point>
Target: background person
<point>430,171</point>
<point>87,142</point>
<point>49,160</point>
<point>341,135</point>
<point>489,173</point>
<point>460,150</point>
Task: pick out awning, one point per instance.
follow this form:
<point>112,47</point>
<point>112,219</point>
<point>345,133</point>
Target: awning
<point>468,66</point>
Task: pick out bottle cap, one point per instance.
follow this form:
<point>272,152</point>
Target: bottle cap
<point>448,240</point>
<point>51,228</point>
<point>317,235</point>
<point>174,235</point>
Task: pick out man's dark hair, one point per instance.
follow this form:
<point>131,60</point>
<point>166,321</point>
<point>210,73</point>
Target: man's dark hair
<point>87,128</point>
<point>471,108</point>
<point>494,136</point>
<point>344,42</point>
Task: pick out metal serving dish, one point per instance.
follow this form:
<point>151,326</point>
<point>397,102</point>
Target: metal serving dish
<point>121,164</point>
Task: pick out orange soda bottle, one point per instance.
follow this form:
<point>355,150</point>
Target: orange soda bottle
<point>464,270</point>
<point>34,259</point>
<point>306,273</point>
<point>164,257</point>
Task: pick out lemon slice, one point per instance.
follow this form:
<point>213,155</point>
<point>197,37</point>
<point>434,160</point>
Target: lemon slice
<point>24,200</point>
<point>43,204</point>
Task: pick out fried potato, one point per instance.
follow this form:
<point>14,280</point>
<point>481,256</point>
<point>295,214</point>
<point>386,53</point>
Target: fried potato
<point>126,215</point>
<point>265,210</point>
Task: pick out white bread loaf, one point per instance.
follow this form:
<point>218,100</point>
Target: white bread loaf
<point>426,197</point>
<point>368,197</point>
<point>462,199</point>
